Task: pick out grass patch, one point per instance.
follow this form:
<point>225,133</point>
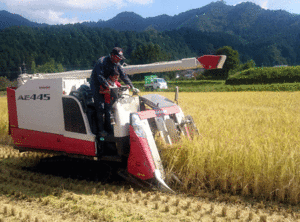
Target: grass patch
<point>220,86</point>
<point>3,93</point>
<point>266,75</point>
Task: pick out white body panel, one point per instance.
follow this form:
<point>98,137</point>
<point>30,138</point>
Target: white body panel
<point>122,110</point>
<point>40,108</point>
<point>44,114</point>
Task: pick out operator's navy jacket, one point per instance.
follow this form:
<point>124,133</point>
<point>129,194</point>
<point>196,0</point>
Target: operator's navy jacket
<point>102,70</point>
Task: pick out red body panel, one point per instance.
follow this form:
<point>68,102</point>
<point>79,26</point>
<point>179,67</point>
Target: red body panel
<point>48,141</point>
<point>140,161</point>
<point>209,61</point>
<point>12,108</point>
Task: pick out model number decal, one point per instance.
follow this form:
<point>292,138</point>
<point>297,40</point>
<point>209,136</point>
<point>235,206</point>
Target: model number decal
<point>35,97</point>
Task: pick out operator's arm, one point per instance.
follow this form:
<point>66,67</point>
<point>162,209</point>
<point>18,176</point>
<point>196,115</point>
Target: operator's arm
<point>124,77</point>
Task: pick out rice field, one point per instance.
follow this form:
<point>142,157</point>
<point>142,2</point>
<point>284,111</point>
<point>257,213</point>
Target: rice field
<point>243,166</point>
<point>248,145</point>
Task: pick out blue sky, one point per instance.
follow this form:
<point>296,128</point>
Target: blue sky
<point>73,11</point>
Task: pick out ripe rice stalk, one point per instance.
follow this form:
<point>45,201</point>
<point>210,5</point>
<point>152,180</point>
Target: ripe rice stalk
<point>263,218</point>
<point>224,211</point>
<point>110,194</point>
<point>212,207</point>
<point>148,195</point>
<point>13,212</point>
<point>188,213</point>
<point>5,210</point>
<point>114,189</point>
<point>140,194</point>
<point>250,216</point>
<point>188,205</point>
<point>176,203</point>
<point>199,207</point>
<point>293,194</point>
<point>131,190</point>
<point>237,214</point>
<point>249,134</point>
<point>28,217</point>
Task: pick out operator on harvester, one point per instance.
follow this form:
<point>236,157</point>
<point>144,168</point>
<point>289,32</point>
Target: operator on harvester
<point>105,74</point>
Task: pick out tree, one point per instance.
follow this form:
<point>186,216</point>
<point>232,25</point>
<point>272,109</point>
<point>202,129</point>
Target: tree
<point>33,67</point>
<point>249,64</point>
<point>50,67</point>
<point>4,82</point>
<point>232,60</point>
<point>146,53</point>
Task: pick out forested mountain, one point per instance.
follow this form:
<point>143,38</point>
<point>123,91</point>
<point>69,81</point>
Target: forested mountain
<point>8,19</point>
<point>78,46</point>
<point>268,37</point>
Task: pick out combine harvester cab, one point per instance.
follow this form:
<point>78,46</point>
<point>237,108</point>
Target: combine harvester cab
<point>46,114</point>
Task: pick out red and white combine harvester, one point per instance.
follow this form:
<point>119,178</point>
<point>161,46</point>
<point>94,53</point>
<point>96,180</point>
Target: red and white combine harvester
<point>55,113</point>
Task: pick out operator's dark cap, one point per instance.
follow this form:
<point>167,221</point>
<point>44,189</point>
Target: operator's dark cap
<point>119,52</point>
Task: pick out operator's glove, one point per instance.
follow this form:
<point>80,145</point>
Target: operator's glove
<point>135,90</point>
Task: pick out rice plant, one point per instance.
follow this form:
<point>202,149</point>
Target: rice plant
<point>249,139</point>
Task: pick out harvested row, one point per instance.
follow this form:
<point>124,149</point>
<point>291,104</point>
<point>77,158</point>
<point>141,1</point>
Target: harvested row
<point>81,200</point>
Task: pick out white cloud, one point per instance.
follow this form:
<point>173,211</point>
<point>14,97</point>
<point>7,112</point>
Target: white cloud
<point>142,2</point>
<point>261,3</point>
<point>56,11</point>
<point>55,17</point>
<point>268,4</point>
<point>264,4</point>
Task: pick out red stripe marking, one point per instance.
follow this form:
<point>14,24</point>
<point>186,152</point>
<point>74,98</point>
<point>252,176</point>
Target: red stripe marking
<point>50,141</point>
